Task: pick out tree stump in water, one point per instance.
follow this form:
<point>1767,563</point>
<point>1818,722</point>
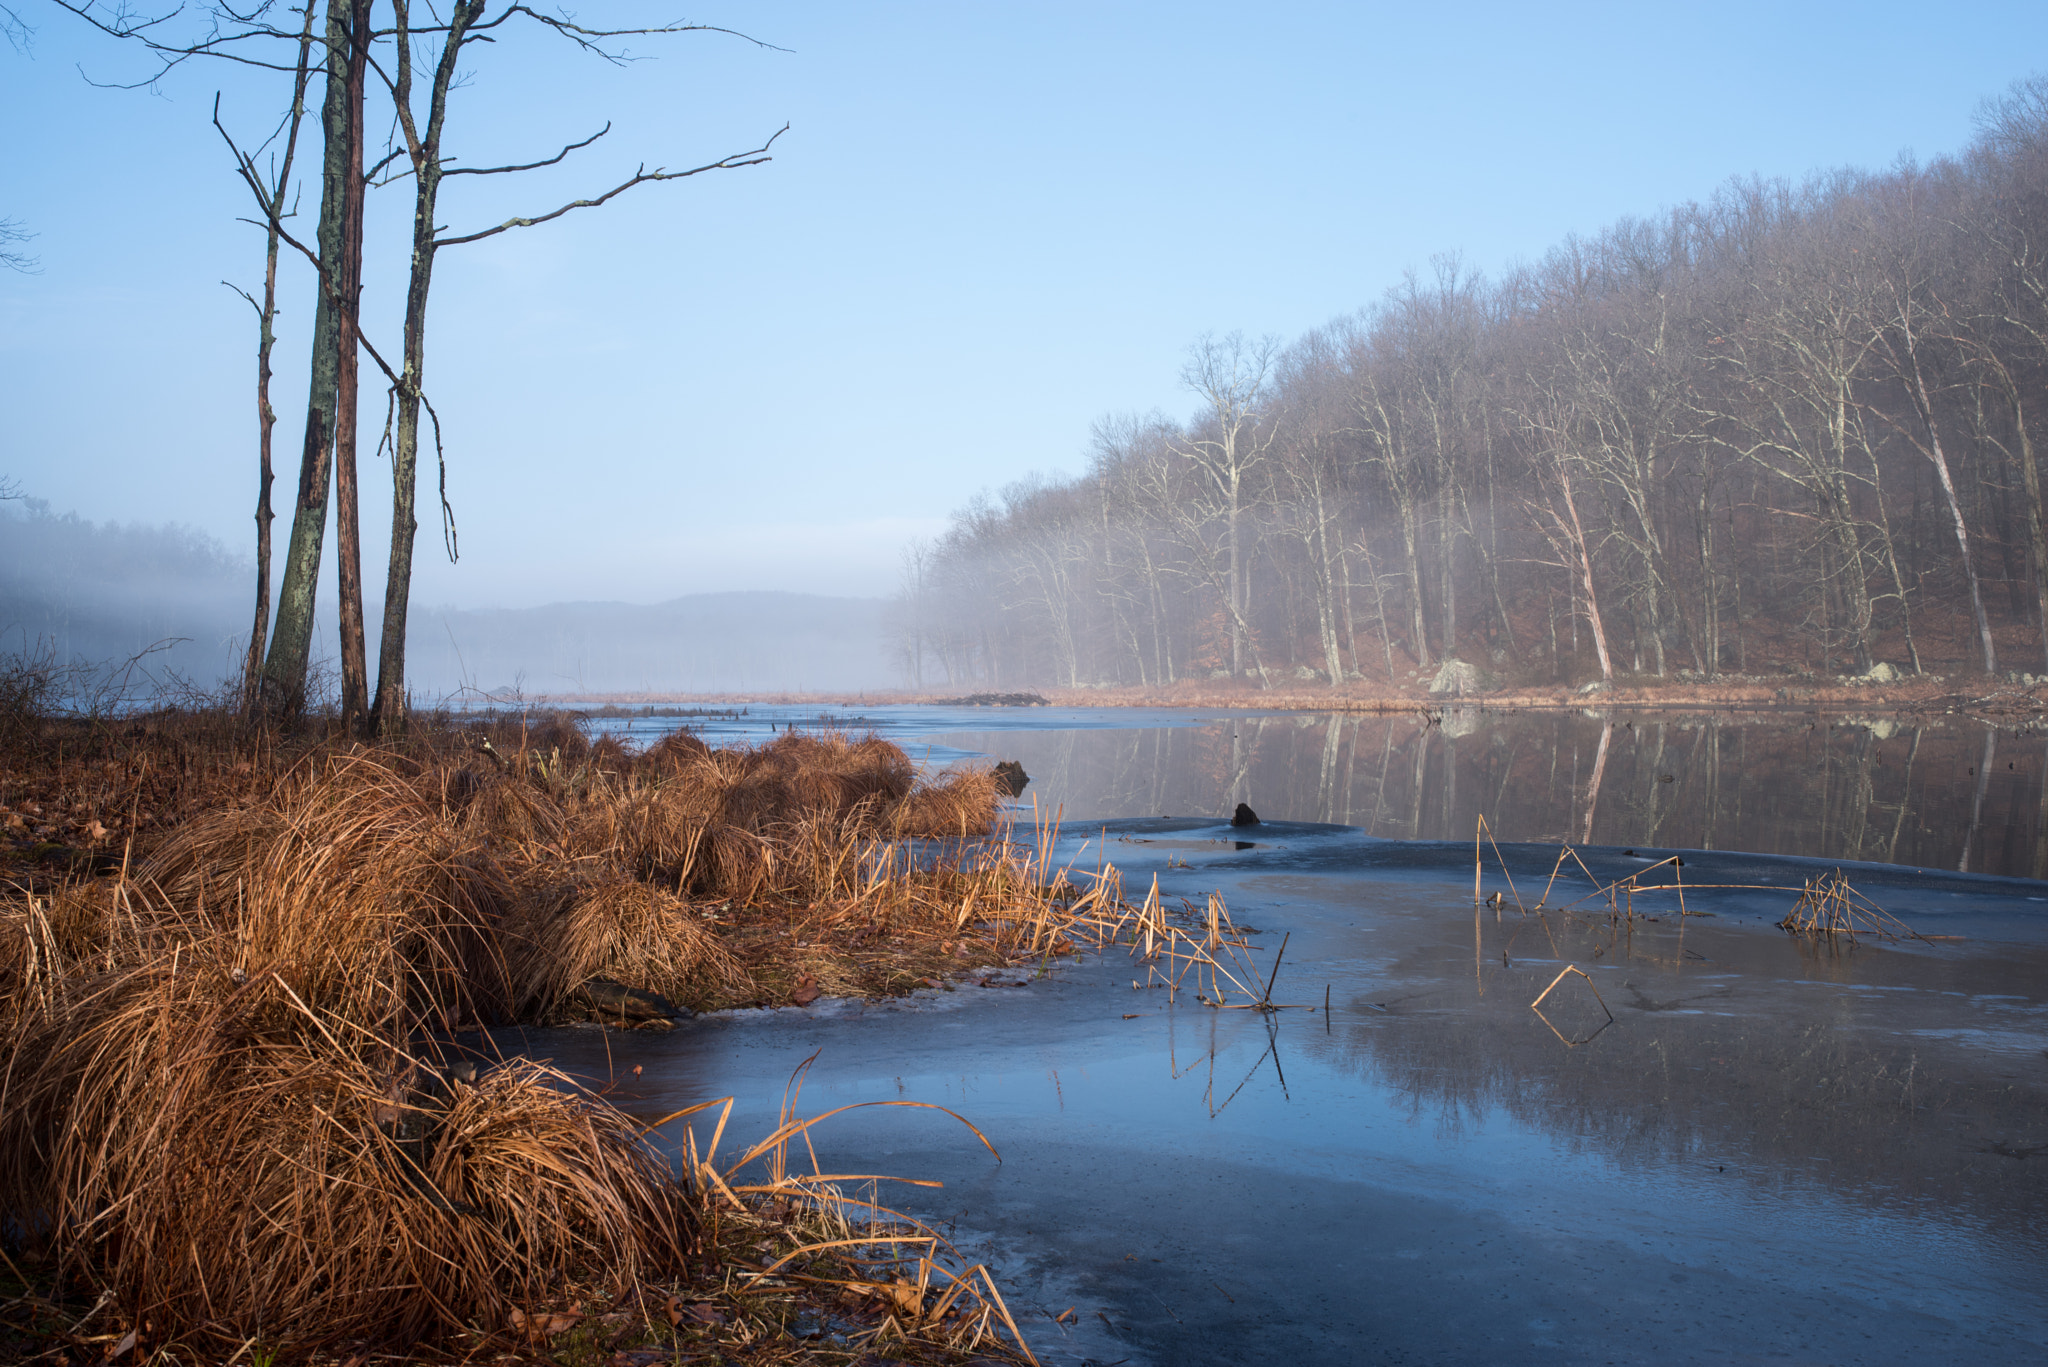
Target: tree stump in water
<point>1011,778</point>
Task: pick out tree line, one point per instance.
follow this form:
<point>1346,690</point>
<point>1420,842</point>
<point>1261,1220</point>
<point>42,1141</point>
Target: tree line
<point>1791,427</point>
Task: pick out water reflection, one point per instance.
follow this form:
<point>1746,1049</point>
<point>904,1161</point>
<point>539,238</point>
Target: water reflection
<point>1948,793</point>
<point>1782,1139</point>
<point>1759,1060</point>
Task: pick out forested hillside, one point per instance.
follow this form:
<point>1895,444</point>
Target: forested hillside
<point>1792,427</point>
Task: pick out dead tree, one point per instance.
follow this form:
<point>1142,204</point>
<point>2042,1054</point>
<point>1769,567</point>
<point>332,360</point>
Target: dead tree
<point>467,24</point>
<point>328,452</point>
<point>1229,376</point>
<point>279,187</point>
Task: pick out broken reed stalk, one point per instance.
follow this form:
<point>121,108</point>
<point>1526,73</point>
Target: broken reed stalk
<point>970,1297</point>
<point>1827,904</point>
<point>1221,955</point>
<point>1537,1005</point>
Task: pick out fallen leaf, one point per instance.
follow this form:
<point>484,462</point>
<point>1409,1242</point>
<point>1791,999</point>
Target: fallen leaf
<point>127,1342</point>
<point>95,832</point>
<point>907,1298</point>
<point>806,991</point>
<point>547,1326</point>
<point>706,1314</point>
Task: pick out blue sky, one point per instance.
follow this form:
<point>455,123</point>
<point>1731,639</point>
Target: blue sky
<point>987,226</point>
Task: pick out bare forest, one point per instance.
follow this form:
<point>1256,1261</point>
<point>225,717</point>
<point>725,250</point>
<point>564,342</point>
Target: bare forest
<point>1789,429</point>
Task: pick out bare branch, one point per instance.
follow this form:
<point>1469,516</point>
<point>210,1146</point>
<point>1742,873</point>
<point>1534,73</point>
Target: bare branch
<point>591,39</point>
<point>641,177</point>
<point>18,31</point>
<point>121,22</point>
<point>534,165</point>
<point>11,232</point>
<point>274,222</point>
<point>246,295</point>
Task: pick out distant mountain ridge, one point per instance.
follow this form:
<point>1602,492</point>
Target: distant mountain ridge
<point>735,642</point>
<point>101,593</point>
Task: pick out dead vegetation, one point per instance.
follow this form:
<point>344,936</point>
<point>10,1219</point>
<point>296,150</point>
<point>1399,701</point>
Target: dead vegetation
<point>1826,905</point>
<point>239,1112</point>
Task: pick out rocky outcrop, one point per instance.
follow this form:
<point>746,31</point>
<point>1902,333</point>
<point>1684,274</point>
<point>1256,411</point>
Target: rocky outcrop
<point>1458,677</point>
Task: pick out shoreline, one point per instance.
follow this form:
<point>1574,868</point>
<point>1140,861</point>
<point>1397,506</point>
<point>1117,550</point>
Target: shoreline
<point>1978,695</point>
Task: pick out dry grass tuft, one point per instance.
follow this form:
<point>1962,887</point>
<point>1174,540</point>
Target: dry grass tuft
<point>625,930</point>
<point>227,1108</point>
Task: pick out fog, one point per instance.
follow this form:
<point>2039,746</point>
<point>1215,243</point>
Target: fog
<point>102,594</point>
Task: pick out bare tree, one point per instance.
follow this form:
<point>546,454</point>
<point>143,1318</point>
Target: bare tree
<point>277,187</point>
<point>328,454</point>
<point>1313,468</point>
<point>1904,241</point>
<point>422,151</point>
<point>1229,375</point>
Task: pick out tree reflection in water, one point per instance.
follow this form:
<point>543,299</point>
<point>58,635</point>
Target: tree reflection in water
<point>1947,792</point>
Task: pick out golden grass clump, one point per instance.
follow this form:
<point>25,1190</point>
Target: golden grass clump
<point>630,932</point>
<point>227,1098</point>
<point>958,803</point>
<point>225,1160</point>
<point>353,883</point>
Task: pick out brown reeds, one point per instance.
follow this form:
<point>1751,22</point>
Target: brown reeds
<point>1828,905</point>
<point>1573,1041</point>
<point>228,1103</point>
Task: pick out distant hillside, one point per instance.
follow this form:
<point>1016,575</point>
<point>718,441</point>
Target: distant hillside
<point>103,592</point>
<point>702,643</point>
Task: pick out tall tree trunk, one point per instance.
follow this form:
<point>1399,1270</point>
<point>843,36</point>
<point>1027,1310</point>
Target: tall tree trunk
<point>1235,589</point>
<point>355,687</point>
<point>2030,480</point>
<point>1418,624</point>
<point>1585,558</point>
<point>388,717</point>
<point>266,341</point>
<point>1923,408</point>
<point>291,642</point>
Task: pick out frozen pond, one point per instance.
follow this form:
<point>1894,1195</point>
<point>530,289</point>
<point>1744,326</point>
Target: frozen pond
<point>1777,1150</point>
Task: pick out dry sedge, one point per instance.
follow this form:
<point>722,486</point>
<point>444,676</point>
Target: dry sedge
<point>231,1109</point>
